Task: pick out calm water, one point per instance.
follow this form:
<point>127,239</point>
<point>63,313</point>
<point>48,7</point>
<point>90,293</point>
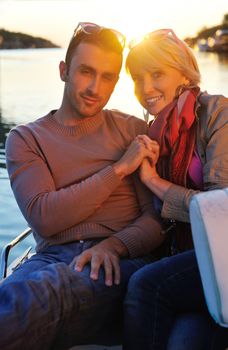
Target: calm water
<point>30,86</point>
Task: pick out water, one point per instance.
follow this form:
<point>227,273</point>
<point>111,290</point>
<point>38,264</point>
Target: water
<point>30,86</point>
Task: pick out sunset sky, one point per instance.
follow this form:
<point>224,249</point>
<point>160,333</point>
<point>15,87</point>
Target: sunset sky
<point>56,19</point>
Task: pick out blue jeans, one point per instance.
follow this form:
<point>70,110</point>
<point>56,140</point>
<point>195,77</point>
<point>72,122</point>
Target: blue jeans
<point>45,304</point>
<point>165,308</point>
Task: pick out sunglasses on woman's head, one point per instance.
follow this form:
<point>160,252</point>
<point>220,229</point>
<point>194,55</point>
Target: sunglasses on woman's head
<point>93,28</point>
<point>160,33</point>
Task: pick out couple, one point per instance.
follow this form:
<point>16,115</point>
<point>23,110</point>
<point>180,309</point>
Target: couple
<point>76,176</point>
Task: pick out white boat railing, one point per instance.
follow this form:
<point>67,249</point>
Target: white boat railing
<point>5,269</point>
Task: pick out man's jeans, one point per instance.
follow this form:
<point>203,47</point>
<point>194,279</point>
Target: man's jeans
<point>45,304</point>
<point>165,308</point>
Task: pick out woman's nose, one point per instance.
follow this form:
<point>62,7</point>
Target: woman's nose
<point>147,84</point>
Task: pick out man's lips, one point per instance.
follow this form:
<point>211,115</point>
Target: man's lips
<point>90,99</point>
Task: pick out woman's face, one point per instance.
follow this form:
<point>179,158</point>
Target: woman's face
<point>156,89</point>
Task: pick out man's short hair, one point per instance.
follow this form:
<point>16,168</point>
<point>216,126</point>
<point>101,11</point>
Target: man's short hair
<point>105,39</point>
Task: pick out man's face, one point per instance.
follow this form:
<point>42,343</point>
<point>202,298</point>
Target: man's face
<point>90,80</point>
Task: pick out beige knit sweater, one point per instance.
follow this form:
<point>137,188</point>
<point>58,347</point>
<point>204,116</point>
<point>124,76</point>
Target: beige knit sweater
<point>65,186</point>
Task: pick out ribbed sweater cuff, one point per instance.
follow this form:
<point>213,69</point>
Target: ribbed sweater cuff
<point>174,206</point>
<point>130,242</point>
<point>109,177</point>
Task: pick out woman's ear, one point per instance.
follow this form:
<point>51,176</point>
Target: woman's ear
<point>63,71</point>
<point>186,82</point>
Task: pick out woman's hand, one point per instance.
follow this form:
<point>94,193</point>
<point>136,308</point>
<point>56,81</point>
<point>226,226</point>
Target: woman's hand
<point>152,146</point>
<point>147,171</point>
<point>148,166</point>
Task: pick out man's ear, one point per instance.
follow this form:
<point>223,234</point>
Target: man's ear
<point>63,71</point>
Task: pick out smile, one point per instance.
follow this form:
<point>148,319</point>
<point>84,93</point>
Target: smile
<point>89,99</point>
<point>153,100</point>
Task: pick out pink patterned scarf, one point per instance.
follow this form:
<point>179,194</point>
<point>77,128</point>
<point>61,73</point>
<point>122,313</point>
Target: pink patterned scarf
<point>175,131</point>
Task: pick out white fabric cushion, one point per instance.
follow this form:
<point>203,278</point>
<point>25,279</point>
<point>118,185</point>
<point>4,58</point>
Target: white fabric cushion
<point>209,221</point>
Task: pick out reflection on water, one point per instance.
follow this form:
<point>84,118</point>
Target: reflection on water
<point>4,130</point>
<point>223,59</point>
<point>30,87</point>
<point>11,220</point>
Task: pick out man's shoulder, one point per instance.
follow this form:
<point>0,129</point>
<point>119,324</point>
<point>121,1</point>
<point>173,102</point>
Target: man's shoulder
<point>27,131</point>
<point>32,125</point>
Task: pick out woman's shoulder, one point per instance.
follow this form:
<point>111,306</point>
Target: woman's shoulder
<point>212,114</point>
<point>213,103</point>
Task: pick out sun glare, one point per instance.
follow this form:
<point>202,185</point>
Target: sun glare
<point>129,17</point>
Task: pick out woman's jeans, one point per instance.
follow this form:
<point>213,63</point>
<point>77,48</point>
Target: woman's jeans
<point>46,304</point>
<point>165,308</point>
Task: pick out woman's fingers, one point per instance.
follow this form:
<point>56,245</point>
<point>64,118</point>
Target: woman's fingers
<point>150,144</point>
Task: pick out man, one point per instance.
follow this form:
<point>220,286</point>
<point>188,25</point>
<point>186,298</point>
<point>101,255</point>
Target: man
<point>92,220</point>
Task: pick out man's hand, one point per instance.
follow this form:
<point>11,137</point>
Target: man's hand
<point>107,254</point>
<point>137,151</point>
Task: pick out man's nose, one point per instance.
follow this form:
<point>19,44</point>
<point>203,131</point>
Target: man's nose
<point>94,85</point>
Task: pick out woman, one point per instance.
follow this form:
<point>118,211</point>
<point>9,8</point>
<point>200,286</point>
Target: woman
<point>165,305</point>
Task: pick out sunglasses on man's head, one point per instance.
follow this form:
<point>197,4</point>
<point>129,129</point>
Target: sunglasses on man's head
<point>92,28</point>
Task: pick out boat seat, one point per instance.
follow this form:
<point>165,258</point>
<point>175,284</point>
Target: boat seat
<point>209,221</point>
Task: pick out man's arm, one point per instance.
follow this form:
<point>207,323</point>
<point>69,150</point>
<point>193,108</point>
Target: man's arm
<point>48,210</point>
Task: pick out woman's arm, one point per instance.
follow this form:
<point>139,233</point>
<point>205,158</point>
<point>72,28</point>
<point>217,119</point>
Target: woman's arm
<point>175,198</point>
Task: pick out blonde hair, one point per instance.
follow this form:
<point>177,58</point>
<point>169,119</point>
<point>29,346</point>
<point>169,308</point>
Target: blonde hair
<point>163,48</point>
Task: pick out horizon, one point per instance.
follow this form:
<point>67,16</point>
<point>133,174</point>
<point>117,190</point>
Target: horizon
<point>47,18</point>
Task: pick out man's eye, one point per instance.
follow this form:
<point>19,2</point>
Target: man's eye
<point>108,77</point>
<point>85,71</point>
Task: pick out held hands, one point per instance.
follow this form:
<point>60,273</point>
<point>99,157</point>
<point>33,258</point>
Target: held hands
<point>152,146</point>
<point>141,148</point>
<point>148,166</point>
<point>107,254</point>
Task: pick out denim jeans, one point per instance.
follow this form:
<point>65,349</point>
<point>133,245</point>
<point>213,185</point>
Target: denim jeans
<point>165,308</point>
<point>46,304</point>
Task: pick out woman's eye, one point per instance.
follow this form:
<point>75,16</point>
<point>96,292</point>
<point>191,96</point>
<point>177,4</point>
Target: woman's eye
<point>156,75</point>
